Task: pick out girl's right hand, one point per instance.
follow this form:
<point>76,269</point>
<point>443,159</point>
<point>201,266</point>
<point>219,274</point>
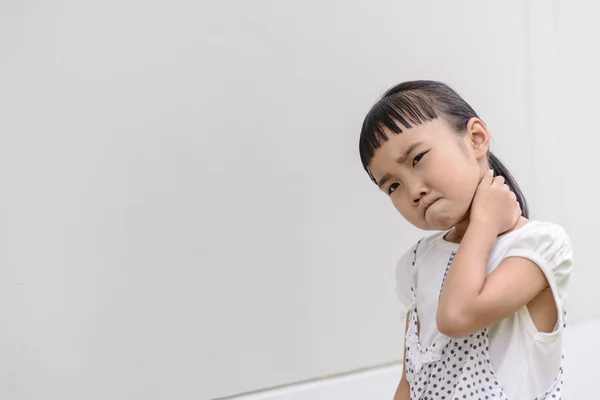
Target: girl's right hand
<point>495,205</point>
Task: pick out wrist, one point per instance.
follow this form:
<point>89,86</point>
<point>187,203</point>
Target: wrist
<point>482,228</point>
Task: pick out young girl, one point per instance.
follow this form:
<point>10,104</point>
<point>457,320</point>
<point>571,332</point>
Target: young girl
<point>485,297</point>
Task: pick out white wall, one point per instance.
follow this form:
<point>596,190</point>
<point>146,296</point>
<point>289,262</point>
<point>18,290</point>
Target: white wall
<point>184,213</point>
<point>579,64</point>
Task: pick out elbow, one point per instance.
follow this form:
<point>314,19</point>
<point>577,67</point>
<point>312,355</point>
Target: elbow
<point>453,324</point>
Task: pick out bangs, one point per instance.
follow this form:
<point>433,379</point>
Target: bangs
<point>396,112</point>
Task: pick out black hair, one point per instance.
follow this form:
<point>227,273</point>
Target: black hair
<point>414,103</point>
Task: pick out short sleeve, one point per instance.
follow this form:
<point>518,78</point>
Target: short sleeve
<point>406,277</point>
<point>550,248</point>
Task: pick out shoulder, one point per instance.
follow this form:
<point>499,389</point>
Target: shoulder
<point>547,245</point>
<point>545,241</point>
<point>542,227</point>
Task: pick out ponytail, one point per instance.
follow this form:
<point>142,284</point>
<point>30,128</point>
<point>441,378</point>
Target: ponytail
<point>501,170</point>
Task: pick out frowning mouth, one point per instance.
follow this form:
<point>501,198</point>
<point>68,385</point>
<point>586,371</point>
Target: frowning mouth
<point>429,204</point>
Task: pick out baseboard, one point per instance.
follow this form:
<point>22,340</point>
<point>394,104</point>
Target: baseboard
<point>375,383</point>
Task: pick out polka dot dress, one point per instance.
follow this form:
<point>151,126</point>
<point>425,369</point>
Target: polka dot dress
<point>454,369</point>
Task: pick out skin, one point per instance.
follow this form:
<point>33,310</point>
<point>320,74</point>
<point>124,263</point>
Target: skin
<point>439,179</point>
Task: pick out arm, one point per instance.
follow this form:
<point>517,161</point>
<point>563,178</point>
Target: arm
<point>403,390</point>
<point>470,300</point>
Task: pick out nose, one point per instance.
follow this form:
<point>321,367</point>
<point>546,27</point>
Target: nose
<point>417,191</point>
<point>417,198</point>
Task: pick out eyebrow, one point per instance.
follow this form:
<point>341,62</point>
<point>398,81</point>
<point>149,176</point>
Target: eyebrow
<point>399,160</point>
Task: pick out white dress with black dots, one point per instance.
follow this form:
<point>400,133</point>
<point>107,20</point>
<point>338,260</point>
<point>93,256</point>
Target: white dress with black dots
<point>455,369</point>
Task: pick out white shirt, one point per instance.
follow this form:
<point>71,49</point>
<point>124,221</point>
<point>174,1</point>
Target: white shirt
<point>526,361</point>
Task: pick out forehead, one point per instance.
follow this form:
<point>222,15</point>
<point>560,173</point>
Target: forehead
<point>398,143</point>
<point>435,131</point>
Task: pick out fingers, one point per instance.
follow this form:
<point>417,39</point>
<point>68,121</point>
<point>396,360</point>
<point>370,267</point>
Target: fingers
<point>498,181</point>
<point>488,178</point>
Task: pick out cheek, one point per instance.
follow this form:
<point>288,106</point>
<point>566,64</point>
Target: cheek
<point>459,182</point>
<point>406,209</point>
<point>400,204</point>
<point>464,186</point>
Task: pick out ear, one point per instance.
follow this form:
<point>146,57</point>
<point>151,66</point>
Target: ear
<point>478,137</point>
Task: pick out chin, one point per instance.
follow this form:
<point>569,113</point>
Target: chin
<point>433,226</point>
<point>444,223</point>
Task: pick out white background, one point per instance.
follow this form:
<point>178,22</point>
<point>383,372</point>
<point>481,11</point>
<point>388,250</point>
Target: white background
<point>183,210</point>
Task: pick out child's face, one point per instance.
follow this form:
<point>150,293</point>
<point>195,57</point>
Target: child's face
<point>434,184</point>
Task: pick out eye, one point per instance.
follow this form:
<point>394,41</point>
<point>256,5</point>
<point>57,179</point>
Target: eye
<point>392,188</point>
<point>418,158</point>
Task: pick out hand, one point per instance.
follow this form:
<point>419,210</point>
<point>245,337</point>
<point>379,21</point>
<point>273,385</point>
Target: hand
<point>494,204</point>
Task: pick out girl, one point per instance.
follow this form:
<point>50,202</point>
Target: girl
<point>491,286</point>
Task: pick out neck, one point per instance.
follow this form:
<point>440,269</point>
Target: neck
<point>456,234</point>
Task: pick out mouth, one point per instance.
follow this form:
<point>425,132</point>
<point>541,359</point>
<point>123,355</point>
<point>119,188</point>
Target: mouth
<point>429,204</point>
